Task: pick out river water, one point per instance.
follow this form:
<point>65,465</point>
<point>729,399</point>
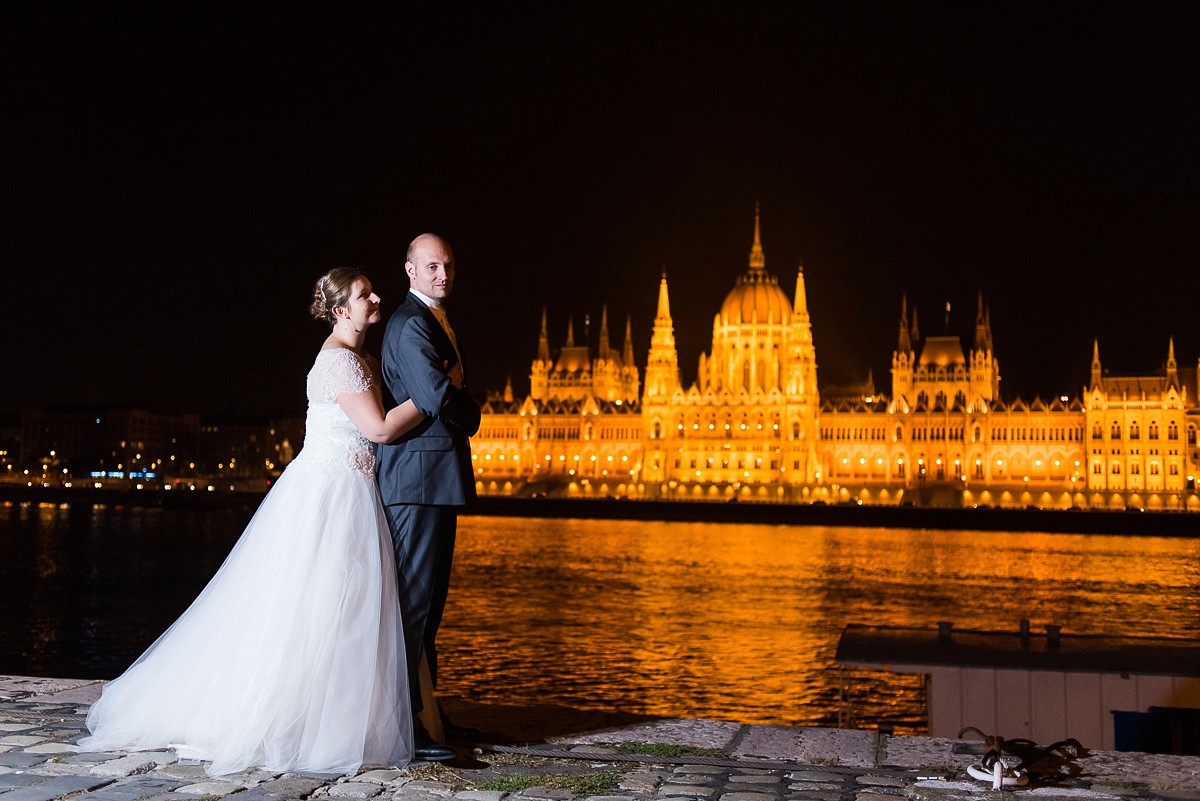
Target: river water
<point>708,620</point>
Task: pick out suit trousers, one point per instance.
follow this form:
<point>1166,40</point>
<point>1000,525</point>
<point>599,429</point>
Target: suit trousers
<point>423,537</point>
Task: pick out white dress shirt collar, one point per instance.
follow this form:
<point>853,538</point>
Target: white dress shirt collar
<point>428,301</point>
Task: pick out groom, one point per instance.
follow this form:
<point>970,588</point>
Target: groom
<point>425,477</point>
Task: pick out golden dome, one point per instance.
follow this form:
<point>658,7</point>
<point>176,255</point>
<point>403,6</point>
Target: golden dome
<point>756,298</point>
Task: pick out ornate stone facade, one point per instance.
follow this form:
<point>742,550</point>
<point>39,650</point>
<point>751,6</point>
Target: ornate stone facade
<point>753,426</point>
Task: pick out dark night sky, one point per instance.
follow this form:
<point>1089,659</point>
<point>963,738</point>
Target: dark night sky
<point>176,175</point>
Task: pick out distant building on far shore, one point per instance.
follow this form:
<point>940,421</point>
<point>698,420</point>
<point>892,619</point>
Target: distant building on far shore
<point>755,426</point>
<point>106,444</point>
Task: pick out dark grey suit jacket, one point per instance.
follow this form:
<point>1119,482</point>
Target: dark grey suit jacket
<point>432,463</point>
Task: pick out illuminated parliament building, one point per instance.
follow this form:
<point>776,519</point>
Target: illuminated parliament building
<point>755,426</point>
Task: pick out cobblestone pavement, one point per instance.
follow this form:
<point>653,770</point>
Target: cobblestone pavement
<point>551,754</point>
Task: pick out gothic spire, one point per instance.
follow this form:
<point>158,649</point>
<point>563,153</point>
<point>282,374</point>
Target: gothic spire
<point>981,337</point>
<point>1172,365</point>
<point>662,363</point>
<point>905,344</point>
<point>627,355</point>
<point>604,346</point>
<point>663,317</point>
<point>543,341</point>
<point>758,262</point>
<point>800,304</point>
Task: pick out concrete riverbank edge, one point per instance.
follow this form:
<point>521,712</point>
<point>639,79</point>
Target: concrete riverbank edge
<point>1131,522</point>
<point>543,753</point>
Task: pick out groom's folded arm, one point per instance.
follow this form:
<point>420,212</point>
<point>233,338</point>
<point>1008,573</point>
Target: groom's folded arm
<point>425,378</point>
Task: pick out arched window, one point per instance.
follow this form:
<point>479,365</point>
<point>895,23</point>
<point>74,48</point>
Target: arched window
<point>1134,431</point>
<point>1116,431</point>
<point>1116,469</point>
<point>1154,468</point>
<point>978,434</point>
<point>1135,469</point>
<point>899,433</point>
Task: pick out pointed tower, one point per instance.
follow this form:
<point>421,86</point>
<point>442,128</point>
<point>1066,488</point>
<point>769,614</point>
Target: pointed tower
<point>605,373</point>
<point>662,364</point>
<point>981,337</point>
<point>903,358</point>
<point>758,261</point>
<point>662,382</point>
<point>1172,366</point>
<point>800,303</point>
<point>630,380</point>
<point>604,348</point>
<point>801,384</point>
<point>1096,371</point>
<point>627,351</point>
<point>985,371</point>
<point>799,442</point>
<point>539,374</point>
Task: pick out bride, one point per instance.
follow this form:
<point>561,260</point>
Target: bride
<point>292,658</point>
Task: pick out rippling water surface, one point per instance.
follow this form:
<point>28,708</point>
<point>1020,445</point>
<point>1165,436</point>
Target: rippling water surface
<point>735,622</point>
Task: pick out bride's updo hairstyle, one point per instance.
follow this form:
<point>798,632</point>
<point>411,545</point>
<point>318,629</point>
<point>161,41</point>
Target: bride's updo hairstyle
<point>332,289</point>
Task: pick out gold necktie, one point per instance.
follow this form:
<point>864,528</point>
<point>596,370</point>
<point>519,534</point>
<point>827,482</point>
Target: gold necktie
<point>440,314</point>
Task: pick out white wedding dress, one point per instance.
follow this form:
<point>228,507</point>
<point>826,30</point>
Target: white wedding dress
<point>292,658</point>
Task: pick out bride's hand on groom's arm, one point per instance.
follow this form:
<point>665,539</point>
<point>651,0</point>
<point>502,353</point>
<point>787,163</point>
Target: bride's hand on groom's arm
<point>367,414</point>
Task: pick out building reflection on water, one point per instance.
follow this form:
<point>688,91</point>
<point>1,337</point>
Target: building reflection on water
<point>725,621</point>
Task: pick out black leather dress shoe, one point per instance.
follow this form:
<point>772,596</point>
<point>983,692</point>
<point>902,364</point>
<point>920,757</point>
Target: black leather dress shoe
<point>428,749</point>
<point>455,732</point>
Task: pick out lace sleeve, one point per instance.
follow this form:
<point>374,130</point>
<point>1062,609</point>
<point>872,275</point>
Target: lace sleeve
<point>337,370</point>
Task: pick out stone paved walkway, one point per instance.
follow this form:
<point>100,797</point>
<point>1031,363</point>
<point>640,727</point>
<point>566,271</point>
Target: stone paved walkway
<point>552,754</point>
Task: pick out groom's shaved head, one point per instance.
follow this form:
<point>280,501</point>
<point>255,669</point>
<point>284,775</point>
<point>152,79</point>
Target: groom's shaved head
<point>425,241</point>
